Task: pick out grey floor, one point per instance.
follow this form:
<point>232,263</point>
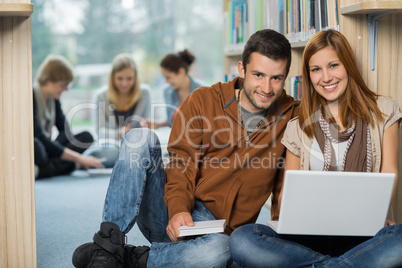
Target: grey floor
<point>68,213</point>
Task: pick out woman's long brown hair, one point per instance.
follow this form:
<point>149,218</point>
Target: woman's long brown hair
<point>357,101</point>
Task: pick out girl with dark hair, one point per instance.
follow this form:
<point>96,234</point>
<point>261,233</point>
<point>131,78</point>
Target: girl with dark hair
<point>175,68</point>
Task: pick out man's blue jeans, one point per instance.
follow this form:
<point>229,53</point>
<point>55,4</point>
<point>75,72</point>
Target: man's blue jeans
<point>136,195</point>
<point>256,245</point>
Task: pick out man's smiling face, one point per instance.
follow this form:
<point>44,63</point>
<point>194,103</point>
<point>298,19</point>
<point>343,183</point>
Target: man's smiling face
<point>263,82</point>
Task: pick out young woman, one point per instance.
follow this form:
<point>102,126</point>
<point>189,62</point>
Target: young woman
<point>123,105</point>
<point>59,156</point>
<point>342,126</point>
<point>175,68</point>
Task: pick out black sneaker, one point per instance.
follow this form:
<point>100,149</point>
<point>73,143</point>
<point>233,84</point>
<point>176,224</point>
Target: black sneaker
<point>136,256</point>
<point>133,256</point>
<point>108,247</point>
<point>82,255</point>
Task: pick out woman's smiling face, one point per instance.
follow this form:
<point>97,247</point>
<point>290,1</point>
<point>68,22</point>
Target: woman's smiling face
<point>328,75</point>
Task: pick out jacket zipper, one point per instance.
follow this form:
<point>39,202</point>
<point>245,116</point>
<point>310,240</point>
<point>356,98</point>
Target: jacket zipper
<point>269,124</point>
<point>248,136</point>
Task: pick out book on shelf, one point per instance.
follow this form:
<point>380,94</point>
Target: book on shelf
<point>272,15</point>
<point>324,14</point>
<point>332,10</point>
<point>281,17</point>
<point>295,90</point>
<point>306,17</point>
<point>244,18</point>
<point>233,72</point>
<point>203,227</point>
<point>258,15</point>
<point>236,20</point>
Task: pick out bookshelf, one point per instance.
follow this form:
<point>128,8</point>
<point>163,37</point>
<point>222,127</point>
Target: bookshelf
<point>241,19</point>
<point>370,7</point>
<point>232,52</point>
<point>17,190</point>
<point>297,19</point>
<point>15,9</point>
<point>353,18</point>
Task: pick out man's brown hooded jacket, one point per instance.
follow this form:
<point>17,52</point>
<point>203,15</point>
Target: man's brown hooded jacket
<point>212,158</point>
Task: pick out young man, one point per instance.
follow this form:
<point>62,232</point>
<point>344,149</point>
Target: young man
<point>59,156</point>
<point>225,161</point>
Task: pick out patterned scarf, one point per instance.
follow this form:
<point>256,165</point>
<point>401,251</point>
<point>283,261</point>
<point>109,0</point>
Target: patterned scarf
<point>358,155</point>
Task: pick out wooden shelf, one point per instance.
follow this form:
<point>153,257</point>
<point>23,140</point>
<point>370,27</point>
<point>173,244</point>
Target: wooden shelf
<point>371,7</point>
<point>15,10</point>
<point>233,53</point>
<point>299,44</point>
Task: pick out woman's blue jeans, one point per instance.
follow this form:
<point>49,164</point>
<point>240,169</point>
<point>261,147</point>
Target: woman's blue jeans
<point>136,195</point>
<point>256,245</point>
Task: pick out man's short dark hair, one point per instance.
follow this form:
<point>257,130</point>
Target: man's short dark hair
<point>269,43</point>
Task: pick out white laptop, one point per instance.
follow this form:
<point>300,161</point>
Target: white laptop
<point>334,203</point>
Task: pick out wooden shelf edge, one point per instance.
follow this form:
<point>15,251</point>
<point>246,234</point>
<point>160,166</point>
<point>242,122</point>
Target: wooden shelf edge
<point>299,44</point>
<point>234,50</point>
<point>370,7</point>
<point>233,53</point>
<point>15,10</point>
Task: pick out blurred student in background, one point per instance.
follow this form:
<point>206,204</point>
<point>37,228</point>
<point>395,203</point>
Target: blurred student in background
<point>59,156</point>
<point>175,68</point>
<point>124,104</point>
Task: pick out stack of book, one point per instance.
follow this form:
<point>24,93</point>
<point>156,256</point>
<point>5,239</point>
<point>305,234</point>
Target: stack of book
<point>306,17</point>
<point>236,20</point>
<point>266,15</point>
<point>233,72</point>
<point>203,227</point>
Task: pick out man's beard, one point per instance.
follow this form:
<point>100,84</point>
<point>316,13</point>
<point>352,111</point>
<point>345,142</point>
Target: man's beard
<point>252,100</point>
